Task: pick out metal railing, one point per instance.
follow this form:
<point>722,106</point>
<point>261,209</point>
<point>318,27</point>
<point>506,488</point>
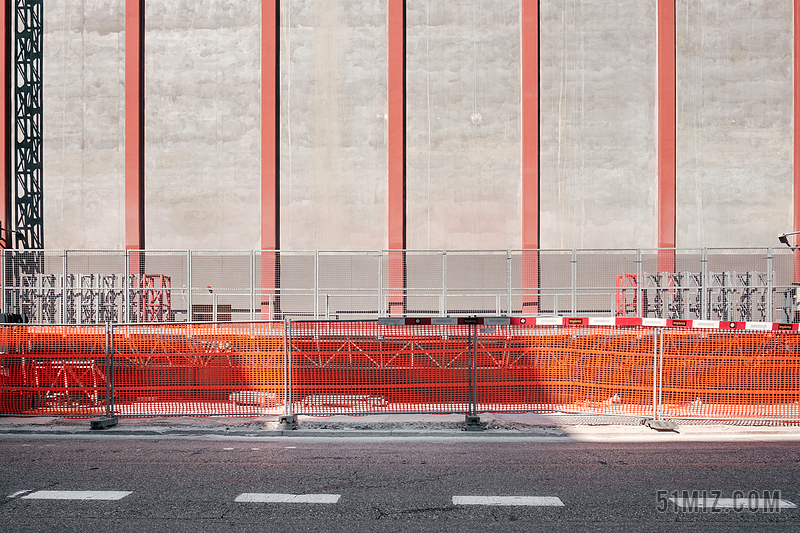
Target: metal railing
<point>94,287</point>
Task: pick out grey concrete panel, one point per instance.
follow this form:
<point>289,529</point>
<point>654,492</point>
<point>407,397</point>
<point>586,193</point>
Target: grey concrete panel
<point>202,120</point>
<point>734,119</point>
<point>463,124</point>
<point>83,88</point>
<point>333,173</point>
<point>598,146</point>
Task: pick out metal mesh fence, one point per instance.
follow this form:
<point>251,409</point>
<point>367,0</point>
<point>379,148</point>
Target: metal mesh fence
<point>341,367</point>
<point>93,287</point>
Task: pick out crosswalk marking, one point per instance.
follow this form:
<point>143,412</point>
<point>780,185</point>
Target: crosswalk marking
<point>260,497</point>
<point>76,495</point>
<point>537,501</point>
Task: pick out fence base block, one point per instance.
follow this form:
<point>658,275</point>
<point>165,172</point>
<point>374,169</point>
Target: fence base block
<point>473,423</point>
<point>661,425</point>
<point>287,421</point>
<point>103,422</point>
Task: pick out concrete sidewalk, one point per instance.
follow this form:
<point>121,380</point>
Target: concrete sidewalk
<point>513,426</point>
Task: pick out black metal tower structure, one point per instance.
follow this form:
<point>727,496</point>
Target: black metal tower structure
<point>26,195</point>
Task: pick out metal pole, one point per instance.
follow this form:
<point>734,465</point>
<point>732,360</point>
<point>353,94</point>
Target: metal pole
<point>639,282</point>
<point>108,373</point>
<point>252,285</point>
<point>316,285</point>
<point>126,289</point>
<point>443,305</point>
<point>661,376</point>
<point>704,297</point>
<point>469,369</point>
<point>188,285</point>
<point>508,280</point>
<point>475,368</point>
<point>770,281</point>
<point>655,373</point>
<point>287,367</point>
<point>64,289</point>
<point>380,284</point>
<point>286,389</point>
<point>574,269</point>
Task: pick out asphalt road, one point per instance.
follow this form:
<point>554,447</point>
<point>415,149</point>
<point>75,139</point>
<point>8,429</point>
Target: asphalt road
<point>417,484</point>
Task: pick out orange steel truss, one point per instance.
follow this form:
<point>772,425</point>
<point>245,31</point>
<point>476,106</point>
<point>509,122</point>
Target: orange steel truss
<point>249,369</point>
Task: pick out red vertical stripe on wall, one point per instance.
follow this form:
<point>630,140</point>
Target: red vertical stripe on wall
<point>396,151</point>
<point>796,162</point>
<point>269,118</point>
<point>6,239</point>
<point>530,152</point>
<point>134,197</point>
<point>666,133</point>
<point>270,198</point>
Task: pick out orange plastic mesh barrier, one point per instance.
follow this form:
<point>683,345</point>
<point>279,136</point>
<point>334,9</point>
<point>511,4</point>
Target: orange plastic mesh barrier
<point>54,370</point>
<point>731,374</point>
<point>234,369</point>
<point>356,367</point>
<point>364,367</point>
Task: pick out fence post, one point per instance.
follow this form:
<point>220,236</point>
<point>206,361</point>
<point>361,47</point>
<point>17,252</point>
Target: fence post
<point>380,307</point>
<point>574,277</point>
<point>108,420</point>
<point>768,318</point>
<point>658,423</point>
<point>316,285</point>
<point>252,285</point>
<point>639,282</point>
<point>443,305</point>
<point>288,419</point>
<point>64,290</point>
<point>472,420</point>
<point>705,297</point>
<point>508,280</point>
<point>188,286</point>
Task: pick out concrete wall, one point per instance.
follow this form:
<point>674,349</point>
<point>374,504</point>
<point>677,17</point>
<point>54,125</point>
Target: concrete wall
<point>202,130</point>
<point>333,173</point>
<point>598,146</point>
<point>598,141</point>
<point>84,168</point>
<point>734,107</point>
<point>463,124</point>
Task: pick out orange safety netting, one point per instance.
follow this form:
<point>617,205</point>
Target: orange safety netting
<point>364,367</point>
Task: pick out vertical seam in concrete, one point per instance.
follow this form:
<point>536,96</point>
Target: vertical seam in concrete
<point>134,124</point>
<point>666,132</point>
<point>270,132</point>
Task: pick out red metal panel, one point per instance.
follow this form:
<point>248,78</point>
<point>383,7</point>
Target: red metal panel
<point>270,197</point>
<point>269,121</point>
<point>666,133</point>
<point>5,151</point>
<point>134,149</point>
<point>530,152</point>
<point>396,150</point>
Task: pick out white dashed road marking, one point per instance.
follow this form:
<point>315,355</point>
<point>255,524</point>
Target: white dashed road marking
<point>537,501</point>
<point>260,497</point>
<point>18,493</point>
<point>77,495</point>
